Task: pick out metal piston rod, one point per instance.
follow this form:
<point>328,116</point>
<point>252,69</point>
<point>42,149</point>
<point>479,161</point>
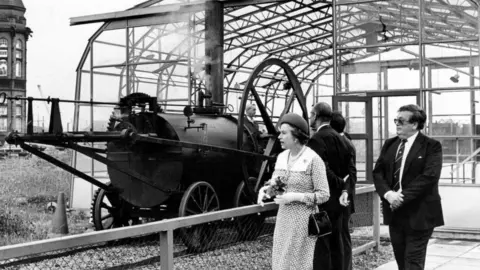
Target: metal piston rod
<point>62,165</point>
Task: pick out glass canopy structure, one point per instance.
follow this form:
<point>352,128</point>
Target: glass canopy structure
<point>365,57</point>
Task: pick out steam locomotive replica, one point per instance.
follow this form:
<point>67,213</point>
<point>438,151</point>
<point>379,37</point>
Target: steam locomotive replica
<point>164,165</point>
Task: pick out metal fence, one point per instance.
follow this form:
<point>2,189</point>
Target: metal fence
<point>239,238</point>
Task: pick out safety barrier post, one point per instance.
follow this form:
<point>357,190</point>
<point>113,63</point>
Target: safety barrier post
<point>376,220</point>
<point>166,250</point>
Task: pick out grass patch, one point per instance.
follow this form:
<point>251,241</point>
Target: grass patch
<point>33,177</point>
<point>27,185</point>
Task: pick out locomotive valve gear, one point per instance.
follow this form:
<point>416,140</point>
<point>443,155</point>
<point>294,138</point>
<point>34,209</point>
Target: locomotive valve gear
<point>262,195</point>
<point>289,197</point>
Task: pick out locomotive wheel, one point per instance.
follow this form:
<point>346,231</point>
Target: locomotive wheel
<point>249,227</point>
<point>200,197</point>
<point>111,211</point>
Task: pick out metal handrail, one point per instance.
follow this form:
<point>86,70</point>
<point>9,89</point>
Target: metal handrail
<point>165,228</point>
<point>475,153</point>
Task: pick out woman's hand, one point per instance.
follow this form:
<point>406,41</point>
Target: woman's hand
<point>289,197</point>
<point>262,195</point>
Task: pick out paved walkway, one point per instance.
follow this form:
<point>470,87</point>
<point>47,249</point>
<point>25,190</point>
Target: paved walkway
<point>448,255</point>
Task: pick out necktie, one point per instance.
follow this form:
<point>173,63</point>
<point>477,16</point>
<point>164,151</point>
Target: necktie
<point>398,165</point>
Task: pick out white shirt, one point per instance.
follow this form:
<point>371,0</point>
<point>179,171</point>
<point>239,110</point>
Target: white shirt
<point>250,119</point>
<point>408,145</point>
<point>322,126</point>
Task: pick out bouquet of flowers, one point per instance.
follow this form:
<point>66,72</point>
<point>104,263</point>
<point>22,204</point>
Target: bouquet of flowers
<point>277,186</point>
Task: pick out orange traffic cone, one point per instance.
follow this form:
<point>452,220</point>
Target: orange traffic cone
<point>59,222</point>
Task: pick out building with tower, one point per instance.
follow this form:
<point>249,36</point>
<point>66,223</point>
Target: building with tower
<point>14,35</point>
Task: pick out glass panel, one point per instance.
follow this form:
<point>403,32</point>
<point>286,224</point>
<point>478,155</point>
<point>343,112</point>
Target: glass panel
<point>106,85</point>
<point>84,121</point>
<point>85,86</point>
<point>368,33</point>
<point>18,69</point>
<point>110,48</point>
<point>451,125</point>
<point>3,124</point>
<point>361,151</point>
<point>3,43</point>
<point>447,119</point>
<point>3,68</point>
<point>404,78</point>
<point>354,113</point>
<point>362,82</point>
<point>445,78</point>
<point>66,110</point>
<point>450,148</point>
<point>325,85</point>
<point>101,117</point>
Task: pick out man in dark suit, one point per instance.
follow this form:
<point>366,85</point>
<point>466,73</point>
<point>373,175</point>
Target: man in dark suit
<point>250,124</point>
<point>347,199</point>
<point>253,128</point>
<point>328,144</point>
<point>406,178</point>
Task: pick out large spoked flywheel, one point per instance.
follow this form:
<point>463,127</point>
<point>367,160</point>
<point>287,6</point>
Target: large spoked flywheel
<point>293,94</point>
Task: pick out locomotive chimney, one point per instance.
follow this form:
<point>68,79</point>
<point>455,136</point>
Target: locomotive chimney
<point>214,51</point>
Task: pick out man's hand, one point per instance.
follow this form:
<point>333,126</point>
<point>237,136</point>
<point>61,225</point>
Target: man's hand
<point>262,195</point>
<point>344,199</point>
<point>395,199</point>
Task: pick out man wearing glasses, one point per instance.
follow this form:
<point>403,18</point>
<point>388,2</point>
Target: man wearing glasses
<point>406,177</point>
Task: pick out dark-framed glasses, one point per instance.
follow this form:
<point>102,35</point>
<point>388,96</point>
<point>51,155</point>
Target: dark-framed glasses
<point>400,122</point>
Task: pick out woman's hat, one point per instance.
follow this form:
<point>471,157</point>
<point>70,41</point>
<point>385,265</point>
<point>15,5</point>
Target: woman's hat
<point>295,120</point>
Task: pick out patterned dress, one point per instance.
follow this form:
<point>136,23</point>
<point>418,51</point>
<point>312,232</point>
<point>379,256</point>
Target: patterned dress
<point>292,248</point>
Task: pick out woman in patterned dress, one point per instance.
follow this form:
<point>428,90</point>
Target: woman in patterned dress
<point>306,186</point>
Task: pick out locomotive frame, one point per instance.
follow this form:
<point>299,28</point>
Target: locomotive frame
<point>136,129</point>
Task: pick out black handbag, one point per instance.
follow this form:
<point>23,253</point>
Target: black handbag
<point>319,224</point>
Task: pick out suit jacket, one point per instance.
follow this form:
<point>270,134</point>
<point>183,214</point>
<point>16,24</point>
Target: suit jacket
<point>252,127</point>
<point>330,146</point>
<point>421,202</point>
<point>349,185</point>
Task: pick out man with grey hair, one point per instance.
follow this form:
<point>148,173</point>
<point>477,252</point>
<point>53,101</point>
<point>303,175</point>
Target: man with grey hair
<point>252,126</point>
<point>329,145</point>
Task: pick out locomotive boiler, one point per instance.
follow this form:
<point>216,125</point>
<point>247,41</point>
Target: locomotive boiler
<point>164,165</point>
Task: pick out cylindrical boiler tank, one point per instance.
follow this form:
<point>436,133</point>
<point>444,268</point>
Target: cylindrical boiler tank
<point>173,168</point>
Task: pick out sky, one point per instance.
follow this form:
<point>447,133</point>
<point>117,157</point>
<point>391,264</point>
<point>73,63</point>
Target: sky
<point>55,47</point>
